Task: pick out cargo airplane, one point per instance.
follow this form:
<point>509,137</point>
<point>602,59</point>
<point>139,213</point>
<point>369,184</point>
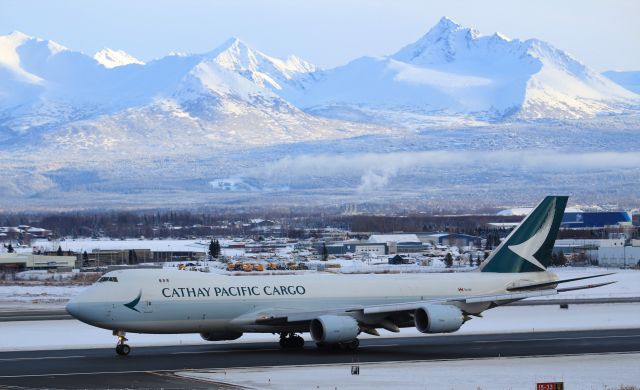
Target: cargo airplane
<point>334,309</point>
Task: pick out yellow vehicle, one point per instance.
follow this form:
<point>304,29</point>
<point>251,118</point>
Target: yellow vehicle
<point>272,266</point>
<point>231,267</point>
<point>247,267</point>
<point>292,266</point>
<point>257,267</point>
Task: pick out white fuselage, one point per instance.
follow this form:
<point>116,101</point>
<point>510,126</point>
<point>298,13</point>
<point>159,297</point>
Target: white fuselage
<point>167,301</point>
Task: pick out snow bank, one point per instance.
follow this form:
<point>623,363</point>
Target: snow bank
<point>577,372</point>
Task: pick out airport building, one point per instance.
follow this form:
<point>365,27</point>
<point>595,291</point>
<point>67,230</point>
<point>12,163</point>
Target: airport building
<point>598,219</point>
<point>21,262</point>
<point>614,252</point>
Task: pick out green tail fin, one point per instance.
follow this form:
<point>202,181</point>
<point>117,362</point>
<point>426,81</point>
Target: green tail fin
<point>528,248</point>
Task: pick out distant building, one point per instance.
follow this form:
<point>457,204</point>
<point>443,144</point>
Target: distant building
<point>399,243</point>
<point>597,219</point>
<point>21,262</point>
<point>451,239</point>
<point>397,238</point>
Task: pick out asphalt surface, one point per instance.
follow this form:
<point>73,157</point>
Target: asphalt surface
<point>34,315</point>
<point>153,367</point>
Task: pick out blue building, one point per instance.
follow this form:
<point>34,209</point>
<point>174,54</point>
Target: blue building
<point>596,219</point>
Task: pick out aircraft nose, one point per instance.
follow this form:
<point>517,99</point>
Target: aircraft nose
<point>72,308</point>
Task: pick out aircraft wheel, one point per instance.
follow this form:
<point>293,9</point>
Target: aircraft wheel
<point>353,344</point>
<point>123,349</point>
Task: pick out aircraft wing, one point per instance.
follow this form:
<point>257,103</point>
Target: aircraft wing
<point>288,316</point>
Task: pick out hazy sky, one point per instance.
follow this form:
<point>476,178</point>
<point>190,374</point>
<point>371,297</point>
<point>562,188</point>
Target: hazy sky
<point>603,34</point>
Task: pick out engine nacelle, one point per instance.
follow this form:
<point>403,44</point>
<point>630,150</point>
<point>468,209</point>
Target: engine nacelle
<point>219,336</point>
<point>334,329</point>
<point>438,318</point>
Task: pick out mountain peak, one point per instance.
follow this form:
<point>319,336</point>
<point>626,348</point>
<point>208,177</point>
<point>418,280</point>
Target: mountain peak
<point>446,24</point>
<point>233,44</point>
<point>15,34</point>
<point>438,43</point>
<point>110,58</point>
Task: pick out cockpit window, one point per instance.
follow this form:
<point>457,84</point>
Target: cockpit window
<point>107,279</point>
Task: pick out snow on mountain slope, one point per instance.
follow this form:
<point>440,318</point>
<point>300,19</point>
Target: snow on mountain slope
<point>113,58</point>
<point>450,75</point>
<point>629,80</point>
<point>455,70</point>
<point>45,86</point>
<point>263,70</point>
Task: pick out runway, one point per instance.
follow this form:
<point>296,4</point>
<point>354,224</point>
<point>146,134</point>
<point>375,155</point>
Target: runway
<point>151,367</point>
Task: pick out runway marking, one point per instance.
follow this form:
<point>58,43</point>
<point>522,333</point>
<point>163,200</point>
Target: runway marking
<point>553,339</point>
<point>43,358</point>
<point>313,365</point>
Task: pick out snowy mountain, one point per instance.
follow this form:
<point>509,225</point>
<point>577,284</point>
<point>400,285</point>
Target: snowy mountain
<point>263,70</point>
<point>113,58</point>
<point>70,99</point>
<point>629,79</point>
<point>452,74</point>
<point>198,128</point>
<point>454,70</point>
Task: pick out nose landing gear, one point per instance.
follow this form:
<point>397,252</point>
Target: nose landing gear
<point>122,349</point>
<point>291,340</point>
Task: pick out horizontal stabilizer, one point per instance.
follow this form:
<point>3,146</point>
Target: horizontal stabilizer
<point>553,283</point>
<point>583,287</point>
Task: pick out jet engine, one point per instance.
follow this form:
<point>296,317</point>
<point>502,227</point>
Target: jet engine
<point>332,329</point>
<point>219,336</point>
<point>438,318</point>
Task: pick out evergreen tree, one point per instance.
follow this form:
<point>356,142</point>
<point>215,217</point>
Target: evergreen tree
<point>216,249</point>
<point>448,260</point>
<point>85,259</point>
<point>9,248</point>
<point>325,252</point>
<point>59,251</point>
<point>211,248</point>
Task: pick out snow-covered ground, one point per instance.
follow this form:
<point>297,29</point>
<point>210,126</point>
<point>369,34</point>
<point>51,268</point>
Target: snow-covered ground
<point>88,244</point>
<point>598,371</point>
<point>36,335</point>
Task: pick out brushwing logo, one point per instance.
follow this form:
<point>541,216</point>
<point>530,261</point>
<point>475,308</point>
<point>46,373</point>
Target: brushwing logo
<point>527,249</point>
<point>132,305</point>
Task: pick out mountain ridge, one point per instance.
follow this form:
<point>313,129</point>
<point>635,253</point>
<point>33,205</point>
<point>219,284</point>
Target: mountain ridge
<point>451,76</point>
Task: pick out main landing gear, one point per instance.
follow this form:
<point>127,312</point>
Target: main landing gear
<point>122,349</point>
<point>291,340</point>
<point>346,346</point>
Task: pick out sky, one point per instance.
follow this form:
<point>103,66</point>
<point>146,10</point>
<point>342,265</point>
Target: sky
<point>603,34</point>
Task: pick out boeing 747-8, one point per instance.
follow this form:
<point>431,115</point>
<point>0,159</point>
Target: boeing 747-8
<point>334,309</point>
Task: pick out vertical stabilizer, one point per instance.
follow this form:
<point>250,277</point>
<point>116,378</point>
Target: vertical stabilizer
<point>528,248</point>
